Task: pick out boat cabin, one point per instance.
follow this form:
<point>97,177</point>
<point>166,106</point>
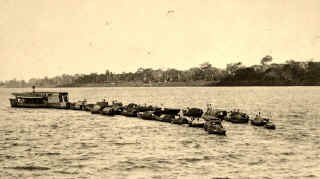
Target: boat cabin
<point>40,99</point>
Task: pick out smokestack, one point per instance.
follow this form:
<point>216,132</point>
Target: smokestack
<point>33,89</point>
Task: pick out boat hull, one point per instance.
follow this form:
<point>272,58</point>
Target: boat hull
<point>15,104</point>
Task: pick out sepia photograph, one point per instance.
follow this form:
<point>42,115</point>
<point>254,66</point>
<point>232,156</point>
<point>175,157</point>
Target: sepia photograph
<point>160,89</point>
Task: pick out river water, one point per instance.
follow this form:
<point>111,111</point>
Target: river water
<point>50,143</point>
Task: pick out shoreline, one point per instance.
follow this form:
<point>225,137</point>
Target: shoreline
<point>180,84</point>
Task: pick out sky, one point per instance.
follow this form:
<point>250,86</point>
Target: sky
<point>41,38</point>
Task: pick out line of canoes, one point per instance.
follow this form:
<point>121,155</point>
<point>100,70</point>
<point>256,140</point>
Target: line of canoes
<point>210,121</point>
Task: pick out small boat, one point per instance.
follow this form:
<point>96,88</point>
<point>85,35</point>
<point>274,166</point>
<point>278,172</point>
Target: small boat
<point>129,113</point>
<point>215,113</point>
<point>40,100</point>
<point>88,107</point>
<point>117,107</point>
<point>270,125</point>
<point>193,112</point>
<point>221,114</point>
<point>164,118</point>
<point>107,111</point>
<point>237,117</point>
<point>145,108</point>
<point>199,123</point>
<point>96,109</point>
<point>258,121</point>
<point>80,105</point>
<point>147,115</point>
<point>196,125</point>
<point>103,104</point>
<point>215,127</point>
<point>179,120</point>
<point>170,111</point>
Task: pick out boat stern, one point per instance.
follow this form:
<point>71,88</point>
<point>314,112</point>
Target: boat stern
<point>13,102</point>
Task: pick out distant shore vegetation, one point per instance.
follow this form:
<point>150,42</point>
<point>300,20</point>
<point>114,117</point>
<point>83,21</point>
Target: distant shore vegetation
<point>266,73</point>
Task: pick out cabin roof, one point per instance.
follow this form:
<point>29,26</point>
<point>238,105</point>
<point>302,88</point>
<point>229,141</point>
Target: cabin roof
<point>38,94</point>
<point>31,97</point>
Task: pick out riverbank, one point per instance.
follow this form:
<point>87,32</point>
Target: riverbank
<point>141,84</point>
<point>195,84</point>
<point>177,84</point>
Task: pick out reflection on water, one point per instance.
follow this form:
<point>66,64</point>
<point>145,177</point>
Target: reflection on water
<point>49,143</point>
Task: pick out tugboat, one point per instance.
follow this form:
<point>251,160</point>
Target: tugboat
<point>40,100</point>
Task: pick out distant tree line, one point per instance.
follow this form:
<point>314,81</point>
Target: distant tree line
<point>266,73</point>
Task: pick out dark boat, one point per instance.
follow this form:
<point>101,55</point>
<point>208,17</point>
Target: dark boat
<point>180,120</point>
<point>170,111</point>
<point>117,107</point>
<point>215,127</point>
<point>145,108</point>
<point>164,118</point>
<point>214,113</point>
<point>221,114</point>
<point>196,125</point>
<point>270,125</point>
<point>129,113</point>
<point>147,115</point>
<point>103,104</point>
<point>107,111</point>
<point>237,117</point>
<point>80,105</point>
<point>258,121</point>
<point>88,107</point>
<point>40,100</point>
<point>96,109</point>
<point>193,112</point>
